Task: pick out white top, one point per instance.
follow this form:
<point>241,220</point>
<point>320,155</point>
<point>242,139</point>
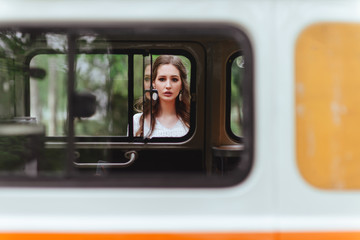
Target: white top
<point>179,130</point>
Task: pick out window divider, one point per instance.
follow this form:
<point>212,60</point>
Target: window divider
<point>70,89</point>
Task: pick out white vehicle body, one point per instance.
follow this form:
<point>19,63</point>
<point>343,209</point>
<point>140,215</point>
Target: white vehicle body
<point>274,202</point>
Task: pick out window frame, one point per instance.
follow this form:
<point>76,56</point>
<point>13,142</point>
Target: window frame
<point>173,31</point>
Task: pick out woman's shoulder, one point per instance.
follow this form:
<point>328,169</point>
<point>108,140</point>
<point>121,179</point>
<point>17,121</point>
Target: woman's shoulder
<point>137,116</point>
<point>136,120</point>
<point>182,124</point>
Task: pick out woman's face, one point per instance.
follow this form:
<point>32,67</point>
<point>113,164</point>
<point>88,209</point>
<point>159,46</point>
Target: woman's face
<point>147,76</point>
<point>168,82</point>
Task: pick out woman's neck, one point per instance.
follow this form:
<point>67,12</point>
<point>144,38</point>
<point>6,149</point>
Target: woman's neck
<point>167,115</point>
<point>167,109</point>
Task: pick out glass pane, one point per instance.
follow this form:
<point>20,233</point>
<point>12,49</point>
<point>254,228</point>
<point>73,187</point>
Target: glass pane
<point>236,106</point>
<point>7,105</point>
<point>10,70</point>
<point>15,49</point>
<point>48,98</point>
<point>21,130</point>
<point>106,77</point>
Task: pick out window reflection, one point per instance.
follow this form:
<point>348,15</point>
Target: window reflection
<point>103,75</point>
<point>48,99</point>
<point>236,106</point>
<point>106,77</point>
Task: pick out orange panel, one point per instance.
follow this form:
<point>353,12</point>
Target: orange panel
<point>327,76</point>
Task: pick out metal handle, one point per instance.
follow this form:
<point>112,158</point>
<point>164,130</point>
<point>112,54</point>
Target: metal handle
<point>228,150</point>
<point>131,155</point>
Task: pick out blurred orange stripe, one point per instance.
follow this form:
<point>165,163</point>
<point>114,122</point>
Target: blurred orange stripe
<point>136,236</point>
<point>319,236</point>
<point>185,236</point>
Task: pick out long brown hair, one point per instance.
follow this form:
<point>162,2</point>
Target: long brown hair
<point>182,107</point>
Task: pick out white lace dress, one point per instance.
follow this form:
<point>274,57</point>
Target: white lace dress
<point>179,130</point>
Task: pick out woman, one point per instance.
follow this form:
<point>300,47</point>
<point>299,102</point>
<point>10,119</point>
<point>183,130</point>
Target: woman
<point>170,111</point>
<point>147,75</point>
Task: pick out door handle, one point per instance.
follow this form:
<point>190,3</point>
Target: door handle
<point>130,155</point>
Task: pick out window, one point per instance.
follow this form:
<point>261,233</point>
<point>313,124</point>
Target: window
<point>105,78</point>
<point>234,104</point>
<point>74,97</point>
